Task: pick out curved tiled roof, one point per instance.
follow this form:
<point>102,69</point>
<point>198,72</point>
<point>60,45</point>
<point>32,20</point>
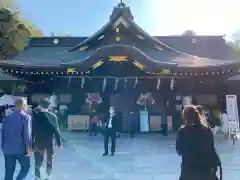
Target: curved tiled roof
<point>213,47</point>
<point>48,56</point>
<point>149,58</point>
<point>119,16</point>
<point>129,51</point>
<point>176,51</point>
<point>171,55</point>
<point>54,56</point>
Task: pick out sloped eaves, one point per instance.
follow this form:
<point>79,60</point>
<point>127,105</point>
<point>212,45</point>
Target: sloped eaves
<point>162,56</point>
<point>96,35</point>
<point>114,23</point>
<point>172,60</point>
<point>174,57</point>
<point>131,52</point>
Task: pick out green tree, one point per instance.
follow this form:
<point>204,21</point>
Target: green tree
<point>235,43</point>
<point>236,36</point>
<point>235,47</point>
<point>7,4</point>
<point>14,31</point>
<point>189,33</point>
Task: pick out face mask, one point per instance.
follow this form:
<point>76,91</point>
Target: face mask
<point>111,111</point>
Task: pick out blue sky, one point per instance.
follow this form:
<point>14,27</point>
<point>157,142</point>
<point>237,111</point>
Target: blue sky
<point>158,17</point>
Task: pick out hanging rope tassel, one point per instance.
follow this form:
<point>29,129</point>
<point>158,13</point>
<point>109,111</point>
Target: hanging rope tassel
<point>116,84</point>
<point>82,82</point>
<point>158,83</point>
<point>125,82</point>
<point>135,83</point>
<point>104,84</point>
<point>69,81</point>
<point>172,84</point>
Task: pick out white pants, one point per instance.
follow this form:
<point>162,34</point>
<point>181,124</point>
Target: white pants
<point>216,129</point>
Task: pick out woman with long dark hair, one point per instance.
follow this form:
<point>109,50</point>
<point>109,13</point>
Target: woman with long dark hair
<point>196,146</point>
<point>200,110</point>
<point>202,115</point>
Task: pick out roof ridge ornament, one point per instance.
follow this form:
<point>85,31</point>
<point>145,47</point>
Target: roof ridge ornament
<point>123,9</point>
<point>121,4</point>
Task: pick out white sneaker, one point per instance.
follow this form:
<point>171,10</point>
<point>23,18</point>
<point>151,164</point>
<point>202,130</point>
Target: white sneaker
<point>48,178</point>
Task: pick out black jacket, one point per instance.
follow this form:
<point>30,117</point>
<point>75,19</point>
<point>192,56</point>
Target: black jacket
<point>199,158</point>
<point>115,123</point>
<point>45,128</point>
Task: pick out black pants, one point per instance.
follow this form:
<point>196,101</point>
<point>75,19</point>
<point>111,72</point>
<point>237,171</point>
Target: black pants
<point>93,129</point>
<point>165,129</point>
<point>10,165</point>
<point>109,133</point>
<point>39,158</point>
<point>132,134</point>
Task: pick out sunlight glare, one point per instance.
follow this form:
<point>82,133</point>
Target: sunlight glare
<point>202,16</point>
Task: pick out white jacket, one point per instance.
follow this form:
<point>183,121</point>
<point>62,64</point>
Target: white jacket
<point>225,122</point>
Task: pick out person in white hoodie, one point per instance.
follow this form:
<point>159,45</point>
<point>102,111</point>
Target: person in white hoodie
<point>225,124</point>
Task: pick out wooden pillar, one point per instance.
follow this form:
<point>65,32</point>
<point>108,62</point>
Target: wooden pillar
<point>29,93</point>
<point>170,108</point>
<point>221,91</point>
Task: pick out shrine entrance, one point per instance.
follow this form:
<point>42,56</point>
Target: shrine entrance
<point>125,102</point>
<point>148,113</point>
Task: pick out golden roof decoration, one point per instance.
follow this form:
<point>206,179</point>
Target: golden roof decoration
<point>117,58</point>
<point>118,38</point>
<point>97,64</point>
<point>83,48</point>
<point>71,70</point>
<point>139,65</point>
<point>164,71</point>
<point>119,21</point>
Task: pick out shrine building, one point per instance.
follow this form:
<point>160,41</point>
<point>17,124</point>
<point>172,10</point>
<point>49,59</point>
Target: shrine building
<point>121,65</point>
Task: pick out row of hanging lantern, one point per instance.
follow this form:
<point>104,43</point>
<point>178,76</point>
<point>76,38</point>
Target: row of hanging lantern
<point>60,73</point>
<point>14,73</point>
<point>172,82</point>
<point>73,72</point>
<point>136,82</point>
<point>191,73</point>
<point>17,78</point>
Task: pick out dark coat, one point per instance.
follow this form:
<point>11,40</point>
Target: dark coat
<point>199,158</point>
<point>115,123</point>
<point>45,128</point>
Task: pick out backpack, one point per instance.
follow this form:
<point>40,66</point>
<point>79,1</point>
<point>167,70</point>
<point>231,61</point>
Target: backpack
<point>43,126</point>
